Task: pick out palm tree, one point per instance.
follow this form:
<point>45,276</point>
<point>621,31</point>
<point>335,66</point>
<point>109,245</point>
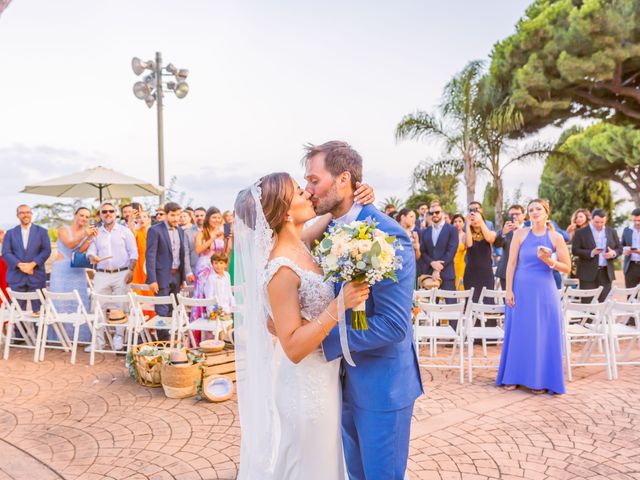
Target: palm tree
<point>456,125</point>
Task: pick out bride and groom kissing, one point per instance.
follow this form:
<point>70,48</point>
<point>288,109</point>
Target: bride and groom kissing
<point>304,412</point>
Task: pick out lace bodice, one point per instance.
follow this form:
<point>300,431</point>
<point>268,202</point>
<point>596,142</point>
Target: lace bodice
<point>315,294</point>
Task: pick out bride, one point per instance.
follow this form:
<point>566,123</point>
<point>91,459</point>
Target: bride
<point>289,396</point>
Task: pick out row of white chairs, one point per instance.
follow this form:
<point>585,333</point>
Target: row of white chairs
<point>28,329</point>
<point>592,325</point>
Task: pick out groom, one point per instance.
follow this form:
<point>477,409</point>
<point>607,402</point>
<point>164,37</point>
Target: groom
<point>379,392</point>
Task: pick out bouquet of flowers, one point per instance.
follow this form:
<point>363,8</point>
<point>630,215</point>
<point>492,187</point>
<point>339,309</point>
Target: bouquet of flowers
<point>358,251</point>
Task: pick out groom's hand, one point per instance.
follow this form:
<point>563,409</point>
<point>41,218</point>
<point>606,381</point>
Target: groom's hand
<point>364,194</point>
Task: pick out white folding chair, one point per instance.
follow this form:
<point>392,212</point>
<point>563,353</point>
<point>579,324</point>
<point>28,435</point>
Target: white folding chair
<point>57,321</point>
<point>203,324</point>
<point>619,314</point>
<point>187,291</point>
<point>480,313</point>
<point>592,328</point>
<point>431,332</point>
<point>497,297</point>
<point>144,324</point>
<point>25,321</point>
<point>441,296</point>
<point>570,282</point>
<point>101,326</point>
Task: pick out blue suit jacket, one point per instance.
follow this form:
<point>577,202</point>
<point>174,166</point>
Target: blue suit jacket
<point>444,249</point>
<point>38,250</point>
<point>386,376</point>
<point>159,256</point>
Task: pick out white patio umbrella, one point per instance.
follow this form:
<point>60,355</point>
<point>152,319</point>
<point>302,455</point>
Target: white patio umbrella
<point>97,182</point>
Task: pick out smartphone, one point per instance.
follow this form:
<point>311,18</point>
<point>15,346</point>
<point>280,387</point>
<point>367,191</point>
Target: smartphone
<point>542,248</point>
<point>227,230</point>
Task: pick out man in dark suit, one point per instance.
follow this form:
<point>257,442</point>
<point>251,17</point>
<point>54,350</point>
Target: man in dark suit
<point>25,249</point>
<point>167,259</point>
<point>438,245</point>
<point>503,240</point>
<point>596,247</point>
<point>631,251</point>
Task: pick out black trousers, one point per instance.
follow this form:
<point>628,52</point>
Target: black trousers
<point>167,310</point>
<point>632,275</point>
<point>602,280</point>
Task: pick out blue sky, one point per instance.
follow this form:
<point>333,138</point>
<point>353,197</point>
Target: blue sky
<point>265,78</point>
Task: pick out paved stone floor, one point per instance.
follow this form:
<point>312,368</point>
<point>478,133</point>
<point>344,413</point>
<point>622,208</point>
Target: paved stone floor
<point>78,422</point>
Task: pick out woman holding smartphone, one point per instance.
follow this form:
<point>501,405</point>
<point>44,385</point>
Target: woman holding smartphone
<point>479,240</point>
<point>532,349</point>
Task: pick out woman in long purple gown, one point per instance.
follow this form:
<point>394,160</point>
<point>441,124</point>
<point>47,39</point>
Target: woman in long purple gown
<point>532,349</point>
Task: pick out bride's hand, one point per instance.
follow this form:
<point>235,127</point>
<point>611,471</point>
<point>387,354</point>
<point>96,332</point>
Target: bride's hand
<point>364,193</point>
<point>355,293</point>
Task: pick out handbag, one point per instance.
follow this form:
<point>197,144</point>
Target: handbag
<point>80,260</point>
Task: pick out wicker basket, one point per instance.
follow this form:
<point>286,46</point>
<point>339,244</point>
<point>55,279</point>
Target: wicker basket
<point>181,381</point>
<point>147,370</point>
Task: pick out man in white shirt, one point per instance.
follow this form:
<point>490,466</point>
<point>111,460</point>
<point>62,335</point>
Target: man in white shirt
<point>631,251</point>
<point>114,254</point>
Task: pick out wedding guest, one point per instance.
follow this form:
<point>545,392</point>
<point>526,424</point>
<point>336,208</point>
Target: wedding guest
<point>227,217</point>
<point>191,213</point>
<point>421,222</point>
<point>185,220</point>
<point>64,278</point>
<point>479,240</point>
<point>407,220</point>
<point>190,236</point>
<point>596,248</point>
<point>580,219</point>
<point>25,249</point>
<point>126,211</point>
<point>3,269</point>
<point>390,209</point>
<point>446,217</point>
<point>199,214</point>
<point>504,237</point>
<point>459,260</point>
<point>438,245</point>
<point>140,270</point>
<point>167,260</point>
<point>159,216</point>
<point>114,254</point>
<point>631,251</point>
<point>476,206</point>
<point>532,349</point>
<point>208,242</point>
<point>218,284</point>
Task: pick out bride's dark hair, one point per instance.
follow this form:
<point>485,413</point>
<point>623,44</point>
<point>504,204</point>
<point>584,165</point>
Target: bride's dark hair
<point>277,194</point>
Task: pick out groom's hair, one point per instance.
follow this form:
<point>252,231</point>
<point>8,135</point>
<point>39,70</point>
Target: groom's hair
<point>340,157</point>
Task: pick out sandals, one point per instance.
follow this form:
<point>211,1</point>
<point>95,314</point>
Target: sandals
<point>538,391</point>
<point>509,387</point>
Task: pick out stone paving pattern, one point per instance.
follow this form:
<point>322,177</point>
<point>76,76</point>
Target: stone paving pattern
<point>78,422</point>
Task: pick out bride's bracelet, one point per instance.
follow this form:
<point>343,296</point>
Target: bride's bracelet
<point>329,313</point>
<point>324,330</point>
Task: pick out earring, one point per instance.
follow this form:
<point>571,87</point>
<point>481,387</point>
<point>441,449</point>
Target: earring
<point>290,219</point>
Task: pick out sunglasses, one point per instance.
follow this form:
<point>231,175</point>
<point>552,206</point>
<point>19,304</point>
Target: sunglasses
<point>104,212</point>
<point>437,212</point>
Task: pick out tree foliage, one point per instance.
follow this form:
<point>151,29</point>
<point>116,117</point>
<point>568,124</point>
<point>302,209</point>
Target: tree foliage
<point>572,58</point>
<point>435,181</point>
<point>454,124</point>
<point>606,151</point>
<point>567,188</point>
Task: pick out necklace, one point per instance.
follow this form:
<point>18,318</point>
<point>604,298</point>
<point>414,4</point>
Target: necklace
<point>477,236</point>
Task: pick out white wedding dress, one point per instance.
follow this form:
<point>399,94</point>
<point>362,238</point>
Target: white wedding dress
<point>307,395</point>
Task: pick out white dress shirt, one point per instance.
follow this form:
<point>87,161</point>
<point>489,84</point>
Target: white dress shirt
<point>435,232</point>
<point>25,236</point>
<point>351,215</point>
<point>119,243</point>
<point>219,287</point>
<point>635,243</point>
<point>600,238</point>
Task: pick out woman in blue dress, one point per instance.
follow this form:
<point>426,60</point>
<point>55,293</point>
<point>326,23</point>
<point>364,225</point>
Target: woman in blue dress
<point>532,349</point>
<point>64,277</point>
